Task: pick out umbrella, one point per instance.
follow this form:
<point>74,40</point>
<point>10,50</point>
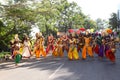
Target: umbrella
<point>78,31</point>
<point>82,29</point>
<point>70,30</point>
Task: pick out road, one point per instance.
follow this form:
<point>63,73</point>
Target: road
<point>61,69</point>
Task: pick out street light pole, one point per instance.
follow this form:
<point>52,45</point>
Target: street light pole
<point>118,20</point>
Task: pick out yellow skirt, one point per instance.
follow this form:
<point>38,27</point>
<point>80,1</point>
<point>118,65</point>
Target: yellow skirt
<point>73,54</point>
<point>60,52</point>
<point>40,52</point>
<point>55,53</point>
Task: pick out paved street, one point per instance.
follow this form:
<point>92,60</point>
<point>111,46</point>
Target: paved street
<point>61,69</point>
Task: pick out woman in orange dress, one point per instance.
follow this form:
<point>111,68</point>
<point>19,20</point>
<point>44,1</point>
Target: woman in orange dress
<point>39,46</point>
<point>87,47</point>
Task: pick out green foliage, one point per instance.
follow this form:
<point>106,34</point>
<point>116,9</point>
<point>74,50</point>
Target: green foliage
<point>16,20</point>
<point>113,21</point>
<point>102,24</point>
<point>3,54</point>
<point>19,15</point>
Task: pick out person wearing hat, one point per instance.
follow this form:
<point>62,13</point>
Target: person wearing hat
<point>16,51</point>
<point>55,51</point>
<point>87,48</point>
<point>50,46</point>
<point>110,53</point>
<point>26,53</point>
<point>60,47</point>
<point>101,43</point>
<point>39,46</point>
<point>73,53</point>
<point>80,42</point>
<point>65,43</point>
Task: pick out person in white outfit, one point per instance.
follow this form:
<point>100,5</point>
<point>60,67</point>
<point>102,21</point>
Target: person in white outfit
<point>26,47</point>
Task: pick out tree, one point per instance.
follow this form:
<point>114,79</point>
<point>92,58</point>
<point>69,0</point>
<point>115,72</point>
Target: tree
<point>71,16</point>
<point>89,23</point>
<point>113,21</point>
<point>15,20</point>
<point>19,16</point>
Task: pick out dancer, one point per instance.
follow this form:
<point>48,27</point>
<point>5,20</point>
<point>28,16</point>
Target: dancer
<point>87,47</point>
<point>65,43</point>
<point>107,41</point>
<point>95,45</point>
<point>39,46</point>
<point>73,53</point>
<point>16,44</point>
<point>50,46</point>
<point>101,42</point>
<point>60,47</point>
<point>55,51</point>
<point>26,47</point>
<point>16,52</point>
<point>80,42</point>
<point>110,53</point>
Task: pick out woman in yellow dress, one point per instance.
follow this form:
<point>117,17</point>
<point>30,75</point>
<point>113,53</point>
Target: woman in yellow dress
<point>39,46</point>
<point>55,51</point>
<point>42,48</point>
<point>87,47</point>
<point>73,53</point>
<point>58,50</point>
<point>60,47</point>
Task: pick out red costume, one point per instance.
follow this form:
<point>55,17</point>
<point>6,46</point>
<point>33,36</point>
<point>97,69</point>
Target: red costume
<point>96,48</point>
<point>50,43</point>
<point>110,55</point>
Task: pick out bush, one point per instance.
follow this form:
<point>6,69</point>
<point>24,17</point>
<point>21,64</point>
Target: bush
<point>3,54</point>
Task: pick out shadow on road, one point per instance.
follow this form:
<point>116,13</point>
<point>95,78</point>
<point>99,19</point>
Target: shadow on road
<point>89,69</point>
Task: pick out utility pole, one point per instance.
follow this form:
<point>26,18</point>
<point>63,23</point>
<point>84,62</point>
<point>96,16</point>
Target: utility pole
<point>118,20</point>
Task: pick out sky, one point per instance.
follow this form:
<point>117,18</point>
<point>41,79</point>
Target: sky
<point>98,8</point>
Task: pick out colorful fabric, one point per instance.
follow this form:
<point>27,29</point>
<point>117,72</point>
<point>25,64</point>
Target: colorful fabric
<point>26,49</point>
<point>110,55</point>
<point>18,57</point>
<point>73,54</point>
<point>87,48</point>
<point>101,51</point>
<point>96,49</point>
<point>39,50</point>
<point>49,48</point>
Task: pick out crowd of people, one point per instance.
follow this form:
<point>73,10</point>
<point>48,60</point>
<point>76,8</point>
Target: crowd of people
<point>104,45</point>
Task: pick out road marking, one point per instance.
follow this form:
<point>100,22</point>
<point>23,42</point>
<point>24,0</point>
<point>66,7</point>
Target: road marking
<point>52,75</point>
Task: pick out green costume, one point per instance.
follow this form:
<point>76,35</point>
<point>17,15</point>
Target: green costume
<point>18,57</point>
